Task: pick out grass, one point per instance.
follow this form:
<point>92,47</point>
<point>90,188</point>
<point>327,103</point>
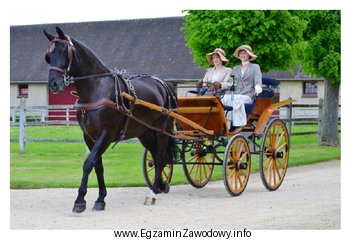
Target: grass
<point>60,164</point>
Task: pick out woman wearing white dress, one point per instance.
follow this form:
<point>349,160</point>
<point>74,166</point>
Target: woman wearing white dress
<point>248,82</point>
<point>216,77</point>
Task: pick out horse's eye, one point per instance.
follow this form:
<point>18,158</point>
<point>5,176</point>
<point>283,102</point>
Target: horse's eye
<point>47,59</point>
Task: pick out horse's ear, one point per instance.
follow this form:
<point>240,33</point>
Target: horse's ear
<point>60,33</point>
<point>48,36</point>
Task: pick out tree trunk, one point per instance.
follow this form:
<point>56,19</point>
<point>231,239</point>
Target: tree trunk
<point>328,127</point>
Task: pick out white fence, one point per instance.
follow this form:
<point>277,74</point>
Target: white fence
<point>23,116</point>
<point>43,115</point>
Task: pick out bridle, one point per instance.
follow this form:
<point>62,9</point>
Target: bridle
<point>71,54</point>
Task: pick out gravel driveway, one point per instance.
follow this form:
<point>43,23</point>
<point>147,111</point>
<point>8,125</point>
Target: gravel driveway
<point>309,198</point>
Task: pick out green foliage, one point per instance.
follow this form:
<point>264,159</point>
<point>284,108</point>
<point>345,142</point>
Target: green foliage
<point>281,38</point>
<point>274,35</point>
<point>323,51</point>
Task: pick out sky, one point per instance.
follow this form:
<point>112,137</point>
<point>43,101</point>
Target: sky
<point>92,12</point>
<point>20,12</point>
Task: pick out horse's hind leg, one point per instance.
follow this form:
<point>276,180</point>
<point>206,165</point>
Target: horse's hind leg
<point>94,159</point>
<point>158,185</point>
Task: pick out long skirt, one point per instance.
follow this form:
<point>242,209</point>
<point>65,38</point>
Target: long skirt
<point>237,117</point>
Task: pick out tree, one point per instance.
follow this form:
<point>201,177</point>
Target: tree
<point>274,35</point>
<point>322,58</point>
<point>282,40</point>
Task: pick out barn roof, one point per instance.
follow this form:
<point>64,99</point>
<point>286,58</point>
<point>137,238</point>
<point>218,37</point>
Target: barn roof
<point>153,46</point>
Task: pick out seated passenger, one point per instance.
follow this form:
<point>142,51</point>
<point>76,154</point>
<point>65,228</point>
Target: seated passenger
<point>248,82</point>
<point>216,77</point>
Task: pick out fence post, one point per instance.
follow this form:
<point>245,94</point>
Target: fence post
<point>289,117</point>
<point>320,114</point>
<point>43,114</point>
<point>13,115</point>
<point>22,128</point>
<point>67,116</point>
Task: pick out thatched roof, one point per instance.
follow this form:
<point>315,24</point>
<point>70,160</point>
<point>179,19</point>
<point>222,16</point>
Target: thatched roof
<point>152,46</point>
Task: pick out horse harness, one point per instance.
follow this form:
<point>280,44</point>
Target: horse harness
<point>119,105</point>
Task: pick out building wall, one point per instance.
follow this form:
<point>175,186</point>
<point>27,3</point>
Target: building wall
<point>294,89</point>
<point>37,95</point>
<point>182,89</point>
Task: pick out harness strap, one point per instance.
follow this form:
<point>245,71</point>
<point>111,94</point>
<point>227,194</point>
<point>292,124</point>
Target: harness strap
<point>110,104</point>
<point>170,92</point>
<point>105,102</point>
<point>71,54</point>
<point>120,107</point>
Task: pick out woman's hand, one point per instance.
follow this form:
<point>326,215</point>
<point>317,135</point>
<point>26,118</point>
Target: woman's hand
<point>217,85</point>
<point>200,83</point>
<point>258,89</point>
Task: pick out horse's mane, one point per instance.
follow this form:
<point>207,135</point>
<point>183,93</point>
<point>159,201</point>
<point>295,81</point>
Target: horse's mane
<point>88,51</point>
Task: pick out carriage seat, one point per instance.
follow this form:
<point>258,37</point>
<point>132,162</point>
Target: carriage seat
<point>267,93</point>
<point>264,98</point>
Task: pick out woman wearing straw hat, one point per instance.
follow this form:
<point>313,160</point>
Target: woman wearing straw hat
<point>248,82</point>
<point>216,77</point>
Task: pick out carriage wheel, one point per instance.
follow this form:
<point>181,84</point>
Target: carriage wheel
<point>274,154</point>
<point>199,163</point>
<point>149,170</point>
<point>236,165</point>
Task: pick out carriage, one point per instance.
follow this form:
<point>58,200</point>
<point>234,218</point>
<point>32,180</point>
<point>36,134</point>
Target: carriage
<point>111,108</point>
<point>204,140</point>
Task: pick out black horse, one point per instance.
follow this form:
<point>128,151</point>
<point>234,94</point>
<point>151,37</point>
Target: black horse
<point>105,117</point>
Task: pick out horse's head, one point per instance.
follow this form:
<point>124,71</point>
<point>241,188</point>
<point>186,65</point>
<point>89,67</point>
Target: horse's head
<point>60,55</point>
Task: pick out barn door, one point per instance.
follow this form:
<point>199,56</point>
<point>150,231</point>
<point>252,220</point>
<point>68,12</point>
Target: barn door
<point>62,99</point>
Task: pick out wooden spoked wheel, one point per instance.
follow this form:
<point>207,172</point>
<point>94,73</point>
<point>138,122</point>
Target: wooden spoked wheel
<point>274,154</point>
<point>236,165</point>
<point>198,163</point>
<point>149,170</point>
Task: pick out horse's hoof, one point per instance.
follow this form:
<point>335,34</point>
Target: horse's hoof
<point>150,201</point>
<point>167,187</point>
<point>79,207</point>
<point>99,206</point>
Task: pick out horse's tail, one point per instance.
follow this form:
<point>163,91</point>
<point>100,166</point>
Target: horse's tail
<point>172,148</point>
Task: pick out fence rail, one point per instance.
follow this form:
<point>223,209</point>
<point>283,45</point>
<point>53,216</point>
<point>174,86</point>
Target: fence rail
<point>24,116</point>
<point>43,115</point>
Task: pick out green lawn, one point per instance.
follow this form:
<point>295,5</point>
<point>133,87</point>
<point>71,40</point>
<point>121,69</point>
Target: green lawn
<point>60,164</point>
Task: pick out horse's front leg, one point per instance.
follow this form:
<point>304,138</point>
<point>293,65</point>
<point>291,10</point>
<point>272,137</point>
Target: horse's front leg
<point>99,147</point>
<point>99,170</point>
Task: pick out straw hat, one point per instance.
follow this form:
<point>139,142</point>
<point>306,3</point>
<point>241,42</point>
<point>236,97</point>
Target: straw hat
<point>247,49</point>
<point>221,55</point>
